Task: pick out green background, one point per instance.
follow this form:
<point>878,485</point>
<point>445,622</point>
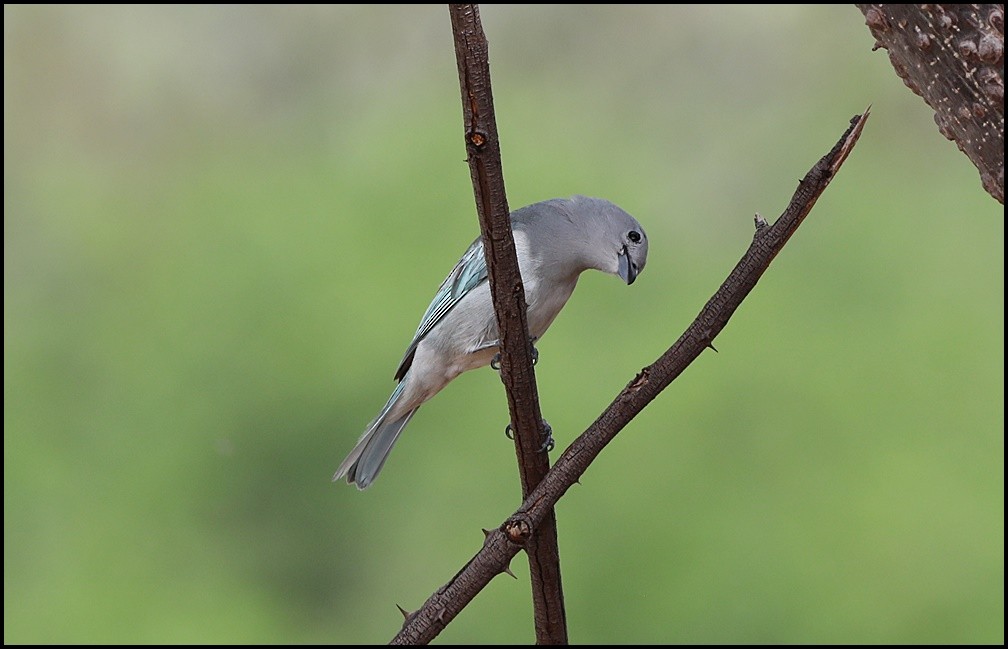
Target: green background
<point>221,227</point>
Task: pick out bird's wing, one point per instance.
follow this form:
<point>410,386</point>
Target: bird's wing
<point>468,273</point>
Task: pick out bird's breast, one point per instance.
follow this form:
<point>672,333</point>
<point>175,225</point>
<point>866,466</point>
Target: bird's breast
<point>545,299</point>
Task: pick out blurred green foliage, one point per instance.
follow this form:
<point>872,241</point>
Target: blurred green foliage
<point>222,224</point>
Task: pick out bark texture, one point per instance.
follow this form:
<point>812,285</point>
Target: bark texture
<point>952,55</point>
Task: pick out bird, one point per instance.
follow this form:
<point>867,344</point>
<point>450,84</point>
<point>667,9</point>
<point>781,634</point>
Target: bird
<point>555,241</point>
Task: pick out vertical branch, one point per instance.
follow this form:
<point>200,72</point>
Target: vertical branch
<point>483,148</point>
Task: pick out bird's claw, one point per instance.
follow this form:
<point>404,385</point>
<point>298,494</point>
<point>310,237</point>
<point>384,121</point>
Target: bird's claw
<point>548,442</point>
<point>495,362</point>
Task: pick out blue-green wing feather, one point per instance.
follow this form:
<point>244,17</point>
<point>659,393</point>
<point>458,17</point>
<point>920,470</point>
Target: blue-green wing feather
<point>468,273</point>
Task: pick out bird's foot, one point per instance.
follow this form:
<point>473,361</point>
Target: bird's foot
<point>495,362</point>
<point>548,442</point>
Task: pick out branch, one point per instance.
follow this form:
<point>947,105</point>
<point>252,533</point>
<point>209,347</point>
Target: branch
<point>517,373</point>
<point>503,543</point>
<point>953,56</point>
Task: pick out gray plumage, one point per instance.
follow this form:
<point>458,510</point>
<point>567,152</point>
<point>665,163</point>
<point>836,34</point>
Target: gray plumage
<point>555,240</point>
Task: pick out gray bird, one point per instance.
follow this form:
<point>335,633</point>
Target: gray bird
<point>555,240</point>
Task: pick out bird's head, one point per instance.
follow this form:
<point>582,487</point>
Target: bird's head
<point>618,243</point>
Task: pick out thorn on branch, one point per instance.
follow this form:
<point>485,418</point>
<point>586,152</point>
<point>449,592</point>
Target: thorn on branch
<point>760,222</point>
<point>406,614</point>
<point>487,534</point>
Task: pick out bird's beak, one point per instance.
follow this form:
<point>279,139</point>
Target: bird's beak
<point>627,268</point>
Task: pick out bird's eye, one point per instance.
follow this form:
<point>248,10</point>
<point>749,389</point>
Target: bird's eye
<point>634,236</point>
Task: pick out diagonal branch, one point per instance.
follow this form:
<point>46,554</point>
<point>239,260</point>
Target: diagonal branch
<point>503,543</point>
<point>483,148</point>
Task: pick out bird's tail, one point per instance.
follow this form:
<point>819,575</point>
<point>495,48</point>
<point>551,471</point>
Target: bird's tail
<point>365,461</point>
